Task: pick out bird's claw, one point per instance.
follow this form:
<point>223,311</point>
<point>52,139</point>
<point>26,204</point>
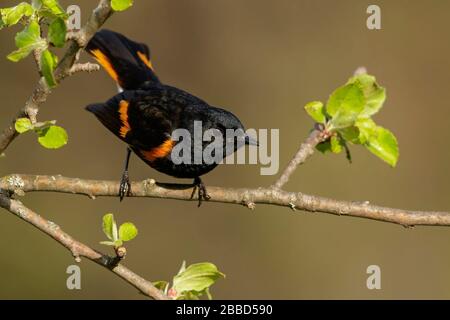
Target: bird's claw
<point>200,187</point>
<point>125,186</point>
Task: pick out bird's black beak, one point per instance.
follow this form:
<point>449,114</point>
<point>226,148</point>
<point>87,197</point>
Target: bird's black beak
<point>251,141</point>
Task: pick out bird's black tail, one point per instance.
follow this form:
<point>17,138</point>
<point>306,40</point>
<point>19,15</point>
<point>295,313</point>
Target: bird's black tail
<point>126,61</point>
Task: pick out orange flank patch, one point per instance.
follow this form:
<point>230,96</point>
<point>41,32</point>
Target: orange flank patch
<point>144,59</point>
<point>104,61</point>
<point>123,112</point>
<point>159,152</point>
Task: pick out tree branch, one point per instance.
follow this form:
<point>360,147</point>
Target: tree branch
<point>83,67</point>
<point>79,249</point>
<point>305,151</point>
<point>21,184</point>
<point>64,69</point>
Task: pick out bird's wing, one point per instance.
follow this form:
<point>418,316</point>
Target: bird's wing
<point>144,120</point>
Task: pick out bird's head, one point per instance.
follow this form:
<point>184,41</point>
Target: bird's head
<point>232,129</point>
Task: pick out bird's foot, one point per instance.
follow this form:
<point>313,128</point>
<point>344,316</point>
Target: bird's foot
<point>200,187</point>
<point>125,186</point>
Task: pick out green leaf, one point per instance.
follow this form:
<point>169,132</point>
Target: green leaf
<point>196,278</point>
<point>23,125</point>
<point>48,66</point>
<point>19,54</point>
<point>11,16</point>
<point>28,40</point>
<point>348,154</point>
<point>324,147</point>
<point>348,97</point>
<point>374,94</point>
<point>121,5</point>
<point>53,6</point>
<point>350,134</point>
<point>42,125</point>
<point>367,128</point>
<point>53,137</point>
<point>30,35</point>
<point>127,231</point>
<point>161,285</point>
<point>316,111</point>
<point>336,144</point>
<point>208,294</point>
<point>344,106</point>
<point>384,145</point>
<point>36,4</point>
<point>183,267</point>
<point>57,32</point>
<point>49,9</point>
<point>108,243</point>
<point>108,225</point>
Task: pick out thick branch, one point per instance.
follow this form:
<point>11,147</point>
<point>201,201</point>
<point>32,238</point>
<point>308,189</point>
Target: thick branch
<point>64,69</point>
<point>79,249</point>
<point>248,197</point>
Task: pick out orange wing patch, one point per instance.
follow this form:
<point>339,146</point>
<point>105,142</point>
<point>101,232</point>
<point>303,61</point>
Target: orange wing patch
<point>144,59</point>
<point>123,112</point>
<point>160,151</point>
<point>104,61</point>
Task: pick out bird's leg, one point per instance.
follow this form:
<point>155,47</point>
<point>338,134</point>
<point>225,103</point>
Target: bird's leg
<point>125,186</point>
<point>202,193</point>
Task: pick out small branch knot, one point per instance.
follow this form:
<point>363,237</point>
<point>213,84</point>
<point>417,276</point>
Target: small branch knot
<point>78,37</point>
<point>149,184</point>
<point>248,201</point>
<point>16,185</point>
<point>76,255</point>
<point>121,252</point>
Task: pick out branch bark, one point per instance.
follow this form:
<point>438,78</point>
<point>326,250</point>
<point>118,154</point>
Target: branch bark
<point>21,184</point>
<point>83,67</point>
<point>98,17</point>
<point>306,150</point>
<point>79,249</point>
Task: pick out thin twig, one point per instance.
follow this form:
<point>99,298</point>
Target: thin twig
<point>79,249</point>
<point>305,151</point>
<point>83,67</point>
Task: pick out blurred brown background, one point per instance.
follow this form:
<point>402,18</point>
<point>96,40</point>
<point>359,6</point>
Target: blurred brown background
<point>263,60</point>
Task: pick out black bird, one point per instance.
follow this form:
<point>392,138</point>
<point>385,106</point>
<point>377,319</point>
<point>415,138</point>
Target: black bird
<point>146,112</point>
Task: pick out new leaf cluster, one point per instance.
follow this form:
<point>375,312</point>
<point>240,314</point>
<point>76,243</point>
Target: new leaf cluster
<point>33,16</point>
<point>117,236</point>
<point>347,116</point>
<point>49,135</point>
<point>192,282</point>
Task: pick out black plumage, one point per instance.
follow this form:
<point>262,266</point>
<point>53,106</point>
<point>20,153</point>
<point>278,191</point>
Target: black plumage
<point>146,114</point>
